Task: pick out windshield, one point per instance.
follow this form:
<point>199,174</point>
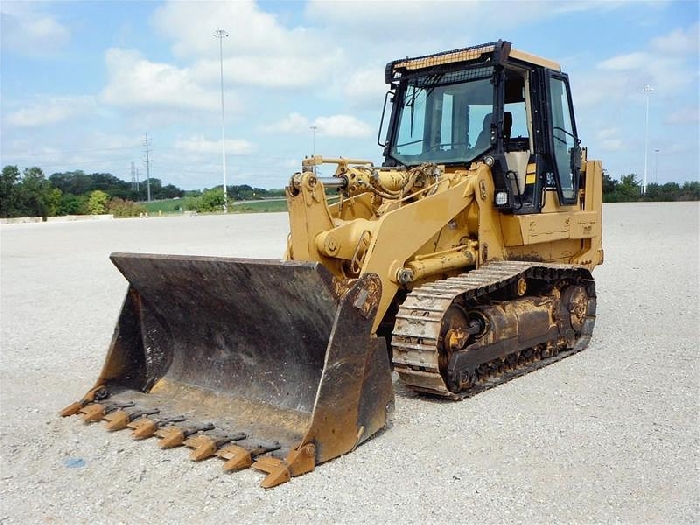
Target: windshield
<point>444,119</point>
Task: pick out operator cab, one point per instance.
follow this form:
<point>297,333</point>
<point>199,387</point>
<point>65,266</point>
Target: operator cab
<point>487,103</point>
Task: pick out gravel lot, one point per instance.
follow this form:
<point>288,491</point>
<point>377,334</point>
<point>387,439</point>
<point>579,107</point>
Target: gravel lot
<point>608,435</point>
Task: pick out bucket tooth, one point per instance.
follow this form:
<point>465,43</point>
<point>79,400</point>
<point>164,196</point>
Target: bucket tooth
<point>143,428</point>
<point>276,469</point>
<point>98,411</point>
<point>205,446</point>
<point>116,420</point>
<point>72,409</point>
<point>94,412</point>
<point>174,436</point>
<point>171,437</point>
<point>96,394</point>
<point>300,460</point>
<point>239,458</point>
<point>121,418</point>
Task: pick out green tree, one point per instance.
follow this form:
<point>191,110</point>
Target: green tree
<point>213,199</point>
<point>192,203</point>
<point>72,204</point>
<point>8,191</point>
<point>609,184</point>
<point>34,194</point>
<point>690,191</point>
<point>628,189</point>
<point>121,208</point>
<point>97,202</point>
<point>52,200</point>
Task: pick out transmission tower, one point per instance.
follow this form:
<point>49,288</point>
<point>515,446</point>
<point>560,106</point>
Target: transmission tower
<point>133,178</point>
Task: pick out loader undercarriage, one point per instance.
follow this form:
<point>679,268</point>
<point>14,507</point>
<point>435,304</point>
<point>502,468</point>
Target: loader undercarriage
<point>459,336</point>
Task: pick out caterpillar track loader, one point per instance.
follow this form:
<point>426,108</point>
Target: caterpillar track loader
<point>462,262</point>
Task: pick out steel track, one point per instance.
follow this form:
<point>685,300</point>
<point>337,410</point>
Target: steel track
<point>416,334</point>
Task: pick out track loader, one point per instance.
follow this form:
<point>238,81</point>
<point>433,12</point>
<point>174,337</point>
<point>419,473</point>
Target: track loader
<point>462,262</point>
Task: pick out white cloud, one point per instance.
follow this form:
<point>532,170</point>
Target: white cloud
<point>608,139</point>
<point>668,64</point>
<point>51,111</point>
<point>627,62</point>
<point>293,123</point>
<point>259,51</point>
<point>250,30</point>
<point>198,144</point>
<point>342,126</point>
<point>28,31</point>
<point>680,41</point>
<point>688,115</point>
<point>611,145</point>
<point>134,81</point>
<point>268,71</point>
<point>607,133</point>
<point>365,87</point>
<point>444,22</point>
<point>333,126</point>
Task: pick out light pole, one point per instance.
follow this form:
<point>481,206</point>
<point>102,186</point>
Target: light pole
<point>221,34</point>
<point>647,91</point>
<point>656,171</point>
<point>313,131</point>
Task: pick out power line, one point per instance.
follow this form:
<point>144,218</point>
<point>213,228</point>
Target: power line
<point>76,151</point>
<point>81,163</point>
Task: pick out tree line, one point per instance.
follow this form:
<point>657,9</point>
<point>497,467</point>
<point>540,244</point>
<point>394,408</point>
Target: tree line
<point>629,189</point>
<point>29,193</point>
<point>211,200</point>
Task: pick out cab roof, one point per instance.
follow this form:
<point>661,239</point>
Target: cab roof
<point>489,53</point>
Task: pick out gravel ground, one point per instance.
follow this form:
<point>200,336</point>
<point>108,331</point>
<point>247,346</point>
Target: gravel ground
<point>608,435</point>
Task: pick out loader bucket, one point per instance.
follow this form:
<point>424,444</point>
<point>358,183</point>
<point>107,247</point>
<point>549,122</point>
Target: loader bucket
<point>215,348</point>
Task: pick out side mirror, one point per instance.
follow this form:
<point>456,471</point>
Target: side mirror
<point>576,159</point>
<point>381,122</point>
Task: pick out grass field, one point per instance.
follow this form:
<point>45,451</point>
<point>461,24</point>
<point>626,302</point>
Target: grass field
<point>166,206</point>
<point>260,206</point>
<point>173,206</point>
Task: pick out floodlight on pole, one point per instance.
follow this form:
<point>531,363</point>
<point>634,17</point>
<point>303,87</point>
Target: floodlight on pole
<point>647,91</point>
<point>221,34</point>
<point>656,171</point>
<point>313,131</point>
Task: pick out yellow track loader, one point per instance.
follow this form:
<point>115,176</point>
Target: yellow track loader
<point>462,262</point>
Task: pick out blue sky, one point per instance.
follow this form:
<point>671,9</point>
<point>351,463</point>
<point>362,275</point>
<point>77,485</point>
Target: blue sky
<point>84,82</point>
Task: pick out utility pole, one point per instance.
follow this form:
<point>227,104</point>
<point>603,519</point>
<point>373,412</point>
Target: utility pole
<point>647,91</point>
<point>221,34</point>
<point>133,178</point>
<point>147,146</point>
<point>138,188</point>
